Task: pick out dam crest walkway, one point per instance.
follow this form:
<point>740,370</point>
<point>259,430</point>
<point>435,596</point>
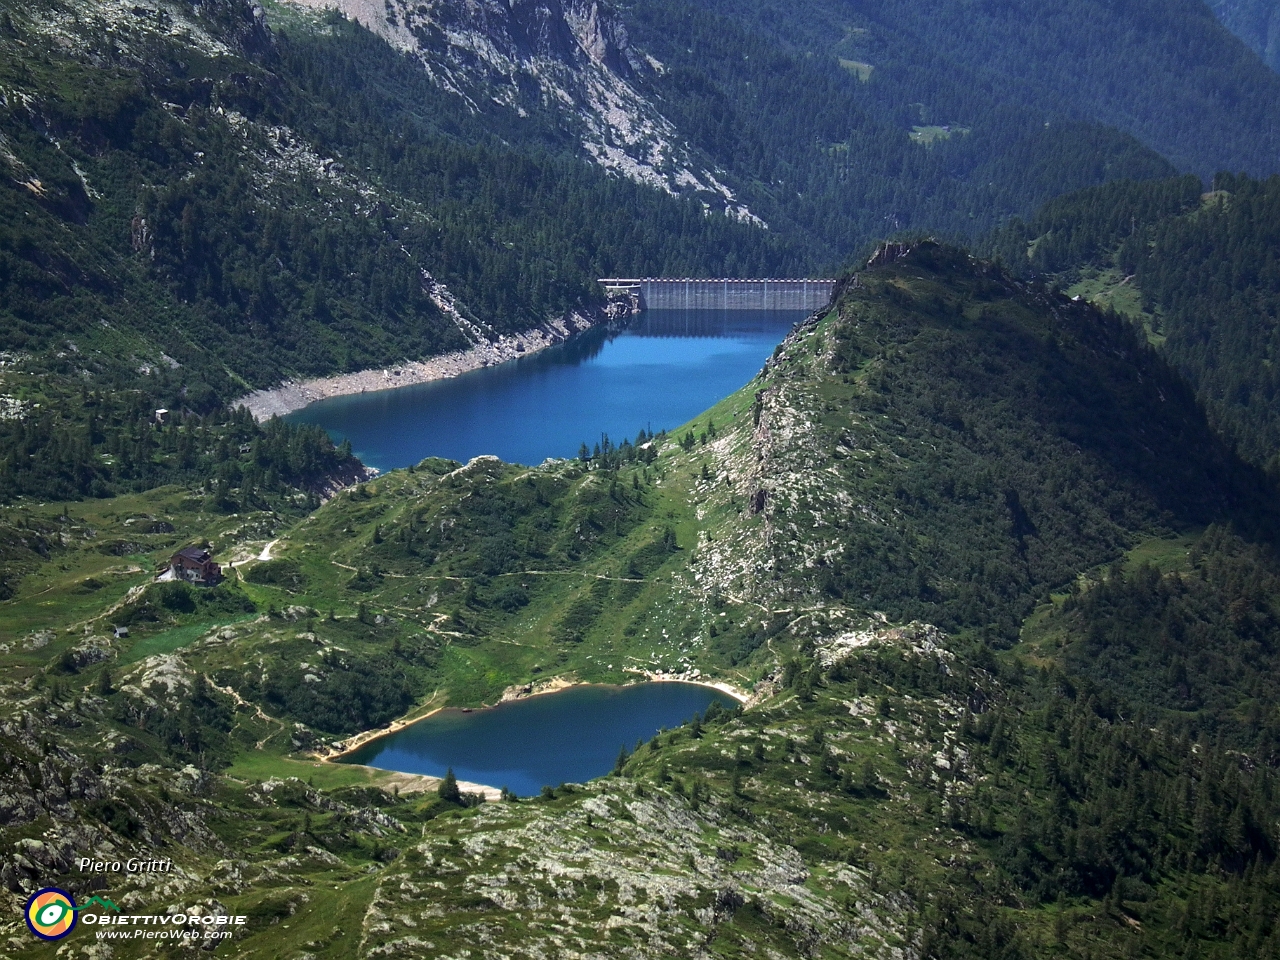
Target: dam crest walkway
<point>687,293</point>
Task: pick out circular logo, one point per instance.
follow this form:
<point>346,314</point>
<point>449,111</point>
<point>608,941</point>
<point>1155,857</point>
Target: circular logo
<point>51,913</point>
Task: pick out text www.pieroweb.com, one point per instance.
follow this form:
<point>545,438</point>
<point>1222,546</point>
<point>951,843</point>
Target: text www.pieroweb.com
<point>141,934</point>
<point>153,927</point>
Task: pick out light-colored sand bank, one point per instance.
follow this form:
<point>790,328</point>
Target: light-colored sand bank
<point>403,783</point>
<point>295,395</point>
<point>695,677</point>
<point>341,748</point>
<point>394,779</point>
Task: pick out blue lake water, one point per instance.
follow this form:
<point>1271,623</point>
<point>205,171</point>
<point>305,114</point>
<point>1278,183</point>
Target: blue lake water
<point>566,737</point>
<point>661,371</point>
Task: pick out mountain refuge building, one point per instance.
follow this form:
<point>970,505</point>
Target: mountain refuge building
<point>195,565</point>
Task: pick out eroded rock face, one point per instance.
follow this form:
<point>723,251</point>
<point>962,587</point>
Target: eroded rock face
<point>526,30</point>
<point>602,38</point>
<point>567,60</point>
<point>243,25</point>
<point>467,42</point>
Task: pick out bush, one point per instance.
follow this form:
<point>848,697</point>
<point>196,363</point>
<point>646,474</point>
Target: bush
<point>511,599</point>
<point>286,574</point>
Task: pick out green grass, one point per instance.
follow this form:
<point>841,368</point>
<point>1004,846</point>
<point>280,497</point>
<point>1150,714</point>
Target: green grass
<point>255,766</point>
<point>1041,634</point>
<point>491,650</point>
<point>931,134</point>
<point>1166,554</point>
<point>1111,289</point>
<point>170,640</point>
<point>88,541</point>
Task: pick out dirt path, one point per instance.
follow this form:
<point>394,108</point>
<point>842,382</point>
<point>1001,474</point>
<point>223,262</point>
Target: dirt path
<point>234,694</point>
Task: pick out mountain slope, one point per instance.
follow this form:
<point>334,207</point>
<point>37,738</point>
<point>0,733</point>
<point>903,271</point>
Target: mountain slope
<point>235,206</point>
<point>693,104</point>
<point>186,187</point>
<point>820,152</point>
<point>1163,71</point>
<point>1198,270</point>
<point>311,201</point>
<point>833,124</point>
<point>973,423</point>
<point>569,66</point>
<point>889,791</point>
<point>1256,22</point>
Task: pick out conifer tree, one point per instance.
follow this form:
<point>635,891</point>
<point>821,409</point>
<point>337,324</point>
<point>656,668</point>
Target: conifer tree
<point>448,788</point>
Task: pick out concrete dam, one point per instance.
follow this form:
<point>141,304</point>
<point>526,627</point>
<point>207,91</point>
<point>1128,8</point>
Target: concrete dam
<point>725,294</point>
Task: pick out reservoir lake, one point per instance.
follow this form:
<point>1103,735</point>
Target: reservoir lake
<point>659,372</point>
<point>570,736</point>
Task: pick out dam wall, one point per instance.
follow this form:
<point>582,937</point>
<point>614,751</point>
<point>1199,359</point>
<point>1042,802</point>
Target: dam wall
<point>726,294</point>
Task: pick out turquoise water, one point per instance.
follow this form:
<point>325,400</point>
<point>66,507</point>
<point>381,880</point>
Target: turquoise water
<point>566,737</point>
<point>663,370</point>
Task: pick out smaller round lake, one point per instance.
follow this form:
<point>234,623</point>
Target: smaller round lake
<point>566,737</point>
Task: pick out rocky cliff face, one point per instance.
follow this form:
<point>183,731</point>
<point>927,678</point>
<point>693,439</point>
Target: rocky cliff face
<point>242,25</point>
<point>604,40</point>
<point>567,59</point>
<point>1256,22</point>
<point>522,31</point>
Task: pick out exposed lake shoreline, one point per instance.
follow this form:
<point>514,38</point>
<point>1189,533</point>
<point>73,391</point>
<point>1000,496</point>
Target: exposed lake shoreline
<point>697,679</point>
<point>345,748</point>
<point>293,395</point>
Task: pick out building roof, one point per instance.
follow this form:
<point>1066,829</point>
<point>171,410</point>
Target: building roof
<point>194,553</point>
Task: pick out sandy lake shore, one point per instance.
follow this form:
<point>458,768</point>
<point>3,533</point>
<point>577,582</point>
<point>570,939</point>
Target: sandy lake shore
<point>342,748</point>
<point>294,395</point>
<point>695,677</point>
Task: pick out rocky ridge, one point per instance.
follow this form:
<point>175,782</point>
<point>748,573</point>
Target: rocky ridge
<point>570,57</point>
